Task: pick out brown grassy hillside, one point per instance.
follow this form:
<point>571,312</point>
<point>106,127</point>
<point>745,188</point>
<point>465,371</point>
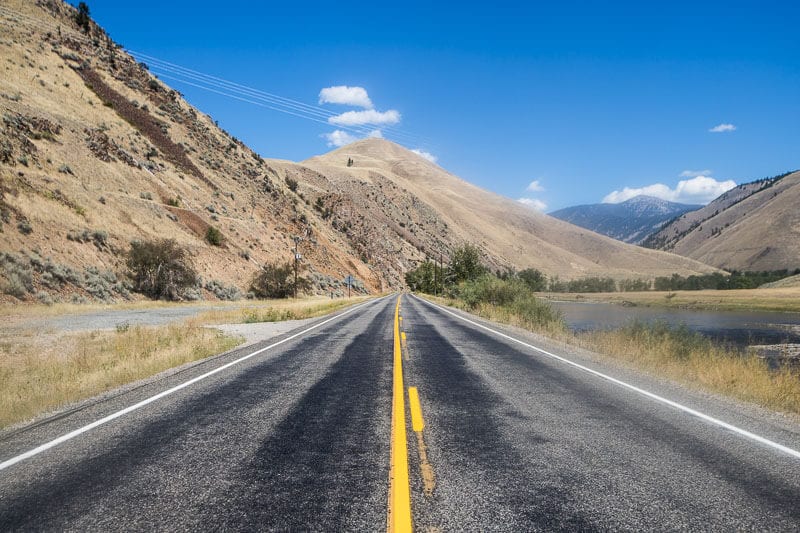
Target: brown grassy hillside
<point>95,152</point>
<point>440,210</point>
<point>755,226</point>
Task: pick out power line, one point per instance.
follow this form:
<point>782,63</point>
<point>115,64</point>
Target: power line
<point>222,86</point>
<point>230,86</point>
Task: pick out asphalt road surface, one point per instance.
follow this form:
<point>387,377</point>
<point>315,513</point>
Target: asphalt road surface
<point>296,433</point>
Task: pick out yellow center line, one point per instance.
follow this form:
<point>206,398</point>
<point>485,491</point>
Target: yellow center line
<point>418,424</point>
<point>399,519</point>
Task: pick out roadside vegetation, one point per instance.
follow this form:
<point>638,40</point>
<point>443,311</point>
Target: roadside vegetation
<point>676,353</point>
<point>42,371</point>
<point>38,376</point>
<point>159,269</point>
<point>274,311</point>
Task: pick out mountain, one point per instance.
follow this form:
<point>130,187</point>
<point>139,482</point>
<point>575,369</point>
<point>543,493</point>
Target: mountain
<point>95,153</point>
<point>755,226</point>
<point>630,221</point>
<point>433,211</point>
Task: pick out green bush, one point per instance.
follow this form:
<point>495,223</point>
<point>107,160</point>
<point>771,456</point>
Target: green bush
<point>534,279</point>
<point>161,268</point>
<point>24,227</point>
<point>465,264</point>
<point>424,278</point>
<point>214,236</point>
<point>277,281</point>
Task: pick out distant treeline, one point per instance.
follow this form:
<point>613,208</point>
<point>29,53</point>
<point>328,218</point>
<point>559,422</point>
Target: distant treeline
<point>465,265</point>
<point>716,281</point>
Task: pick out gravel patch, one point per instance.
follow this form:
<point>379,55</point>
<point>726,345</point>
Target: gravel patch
<point>261,331</point>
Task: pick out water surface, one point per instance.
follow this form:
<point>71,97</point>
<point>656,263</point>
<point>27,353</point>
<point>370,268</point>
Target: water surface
<point>741,328</point>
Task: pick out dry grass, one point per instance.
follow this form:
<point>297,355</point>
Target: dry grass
<point>275,311</point>
<point>42,371</point>
<point>39,375</point>
<point>785,299</point>
<point>694,360</point>
<point>678,354</point>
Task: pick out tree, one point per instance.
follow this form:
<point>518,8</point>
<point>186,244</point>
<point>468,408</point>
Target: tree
<point>277,281</point>
<point>160,268</point>
<point>82,17</point>
<point>535,280</point>
<point>422,278</point>
<point>465,264</point>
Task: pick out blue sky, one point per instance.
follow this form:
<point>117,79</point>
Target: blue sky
<point>584,98</point>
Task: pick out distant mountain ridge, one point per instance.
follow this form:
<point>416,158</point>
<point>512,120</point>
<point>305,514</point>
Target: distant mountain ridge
<point>631,221</point>
<point>755,226</point>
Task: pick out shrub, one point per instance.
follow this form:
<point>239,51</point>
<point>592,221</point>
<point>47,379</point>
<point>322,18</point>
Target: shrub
<point>291,183</point>
<point>18,276</point>
<point>82,17</point>
<point>100,237</point>
<point>44,298</point>
<point>214,236</point>
<point>25,227</point>
<point>160,268</point>
<point>82,236</point>
<point>223,292</point>
<point>277,281</point>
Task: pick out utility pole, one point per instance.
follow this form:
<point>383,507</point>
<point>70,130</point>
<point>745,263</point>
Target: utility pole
<point>435,284</point>
<point>441,270</point>
<point>296,260</point>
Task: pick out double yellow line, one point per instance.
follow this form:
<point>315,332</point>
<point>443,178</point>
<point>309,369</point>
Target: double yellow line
<point>399,519</point>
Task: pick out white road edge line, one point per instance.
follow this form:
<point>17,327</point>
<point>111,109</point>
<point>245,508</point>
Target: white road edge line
<point>661,399</point>
<point>88,427</point>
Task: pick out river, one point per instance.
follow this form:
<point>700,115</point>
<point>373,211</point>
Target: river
<point>740,328</point>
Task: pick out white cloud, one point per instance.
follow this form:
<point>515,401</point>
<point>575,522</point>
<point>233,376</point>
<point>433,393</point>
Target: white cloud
<point>368,116</point>
<point>342,94</point>
<point>698,190</point>
<point>338,138</point>
<point>533,203</point>
<point>534,186</point>
<point>427,155</point>
<point>694,173</point>
<point>702,189</point>
<point>722,128</point>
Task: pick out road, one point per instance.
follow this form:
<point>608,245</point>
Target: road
<point>296,433</point>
